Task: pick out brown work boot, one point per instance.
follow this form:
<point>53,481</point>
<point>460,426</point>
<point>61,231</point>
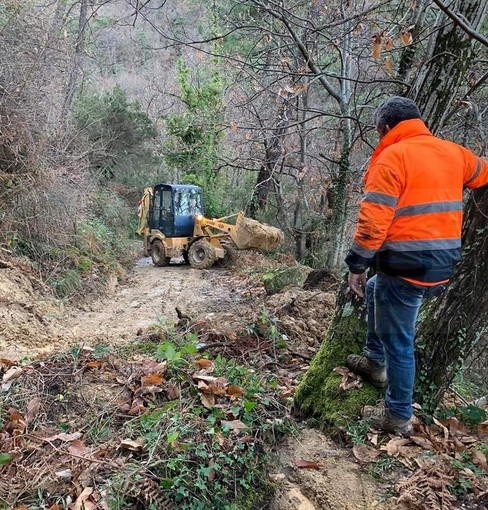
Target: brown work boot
<point>367,369</point>
<point>381,418</point>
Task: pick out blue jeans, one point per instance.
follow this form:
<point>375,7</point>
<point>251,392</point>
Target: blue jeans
<point>393,305</point>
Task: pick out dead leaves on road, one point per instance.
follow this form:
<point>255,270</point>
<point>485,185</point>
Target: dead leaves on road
<point>306,464</point>
<point>442,459</point>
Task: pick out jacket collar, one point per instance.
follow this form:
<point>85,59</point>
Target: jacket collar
<point>402,131</point>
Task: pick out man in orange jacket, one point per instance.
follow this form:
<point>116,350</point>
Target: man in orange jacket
<point>409,230</point>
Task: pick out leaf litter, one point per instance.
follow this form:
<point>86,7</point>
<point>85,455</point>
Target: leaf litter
<point>69,430</point>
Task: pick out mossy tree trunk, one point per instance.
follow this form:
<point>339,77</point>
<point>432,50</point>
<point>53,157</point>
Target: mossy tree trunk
<point>319,393</point>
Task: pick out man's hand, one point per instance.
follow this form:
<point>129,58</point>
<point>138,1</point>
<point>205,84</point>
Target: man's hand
<point>357,283</point>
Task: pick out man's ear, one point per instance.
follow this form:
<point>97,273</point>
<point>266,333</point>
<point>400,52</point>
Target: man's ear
<point>384,131</point>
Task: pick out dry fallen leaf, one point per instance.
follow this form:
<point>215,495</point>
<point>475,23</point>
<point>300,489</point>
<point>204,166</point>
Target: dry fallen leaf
<point>479,460</point>
<point>234,425</point>
<point>365,454</point>
<point>202,386</point>
<point>154,379</point>
<point>11,373</point>
<point>204,364</point>
<point>349,379</point>
<point>235,391</point>
<point>15,423</point>
<point>287,393</point>
<point>64,437</point>
<point>483,427</point>
<point>77,447</point>
<point>373,438</point>
<point>137,406</point>
<point>377,46</point>
<point>208,401</point>
<point>306,464</point>
<point>93,364</point>
<point>406,38</point>
<point>423,442</point>
<point>216,389</point>
<point>444,429</point>
<point>388,63</point>
<point>393,446</point>
<point>32,409</point>
<point>129,444</point>
<point>82,502</point>
<point>456,428</point>
<point>388,44</point>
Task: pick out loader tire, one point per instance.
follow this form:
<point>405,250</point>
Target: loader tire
<point>201,255</point>
<point>230,257</point>
<point>158,254</point>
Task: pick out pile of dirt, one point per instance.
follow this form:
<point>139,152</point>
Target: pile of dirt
<point>303,316</point>
<point>284,330</point>
<point>26,315</point>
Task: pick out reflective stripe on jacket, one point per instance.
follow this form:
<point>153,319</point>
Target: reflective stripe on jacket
<point>410,218</point>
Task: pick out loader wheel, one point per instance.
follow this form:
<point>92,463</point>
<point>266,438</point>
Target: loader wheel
<point>230,257</point>
<point>201,254</point>
<point>158,254</point>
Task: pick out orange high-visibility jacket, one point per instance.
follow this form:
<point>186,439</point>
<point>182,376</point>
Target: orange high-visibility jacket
<point>410,218</point>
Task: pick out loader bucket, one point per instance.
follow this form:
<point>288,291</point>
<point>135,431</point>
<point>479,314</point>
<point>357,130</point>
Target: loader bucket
<point>252,234</point>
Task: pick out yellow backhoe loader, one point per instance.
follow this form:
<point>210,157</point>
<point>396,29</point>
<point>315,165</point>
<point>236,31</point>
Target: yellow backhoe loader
<point>172,223</point>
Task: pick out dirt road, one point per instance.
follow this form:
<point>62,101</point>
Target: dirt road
<point>30,325</point>
<point>152,294</point>
<point>225,302</point>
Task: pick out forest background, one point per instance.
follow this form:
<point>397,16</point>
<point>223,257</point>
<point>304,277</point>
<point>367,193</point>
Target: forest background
<point>267,105</point>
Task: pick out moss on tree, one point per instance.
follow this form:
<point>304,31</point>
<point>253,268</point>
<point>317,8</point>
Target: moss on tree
<point>319,394</point>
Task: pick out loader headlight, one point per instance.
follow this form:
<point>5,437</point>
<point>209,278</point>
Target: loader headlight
<point>198,217</point>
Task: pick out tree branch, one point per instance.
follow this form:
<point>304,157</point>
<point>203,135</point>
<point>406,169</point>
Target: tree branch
<point>462,24</point>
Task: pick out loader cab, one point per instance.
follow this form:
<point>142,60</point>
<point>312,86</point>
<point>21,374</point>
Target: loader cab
<point>173,209</point>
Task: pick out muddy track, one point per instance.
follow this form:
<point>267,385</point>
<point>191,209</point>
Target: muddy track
<point>31,325</point>
<point>152,294</point>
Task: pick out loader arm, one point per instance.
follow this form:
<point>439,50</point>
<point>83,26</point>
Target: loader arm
<point>246,233</point>
<point>209,227</point>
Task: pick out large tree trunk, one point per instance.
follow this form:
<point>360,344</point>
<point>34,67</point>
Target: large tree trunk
<point>449,332</point>
<point>319,393</point>
<point>437,85</point>
<point>452,325</point>
<point>274,153</point>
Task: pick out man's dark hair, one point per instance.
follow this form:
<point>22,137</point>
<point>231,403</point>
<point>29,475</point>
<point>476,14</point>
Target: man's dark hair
<point>393,111</point>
